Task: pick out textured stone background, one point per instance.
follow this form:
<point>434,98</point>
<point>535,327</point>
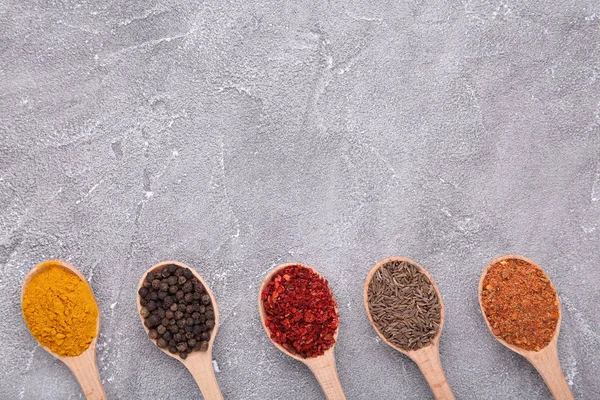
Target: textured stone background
<point>237,135</point>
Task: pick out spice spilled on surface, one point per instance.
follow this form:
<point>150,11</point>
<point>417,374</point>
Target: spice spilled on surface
<point>60,310</point>
<point>520,304</point>
<point>301,313</point>
<point>177,310</point>
<point>404,305</point>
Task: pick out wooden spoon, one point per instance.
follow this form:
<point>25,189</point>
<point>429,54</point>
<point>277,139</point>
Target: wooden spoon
<point>546,360</point>
<point>199,363</point>
<point>84,365</point>
<point>428,357</point>
<point>323,366</point>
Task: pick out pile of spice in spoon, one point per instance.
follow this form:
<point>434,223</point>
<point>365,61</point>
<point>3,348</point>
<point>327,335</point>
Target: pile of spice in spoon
<point>520,303</point>
<point>404,305</point>
<point>60,310</point>
<point>301,313</point>
<point>177,310</point>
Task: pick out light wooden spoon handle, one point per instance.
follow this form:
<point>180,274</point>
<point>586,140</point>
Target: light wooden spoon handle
<point>547,364</point>
<point>428,360</point>
<point>202,370</point>
<point>324,369</point>
<point>86,371</point>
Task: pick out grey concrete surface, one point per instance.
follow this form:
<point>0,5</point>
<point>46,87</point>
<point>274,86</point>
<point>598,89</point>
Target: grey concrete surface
<point>237,135</point>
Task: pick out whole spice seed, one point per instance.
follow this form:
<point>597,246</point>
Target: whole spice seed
<point>182,323</point>
<point>520,304</point>
<point>404,305</point>
<point>301,313</point>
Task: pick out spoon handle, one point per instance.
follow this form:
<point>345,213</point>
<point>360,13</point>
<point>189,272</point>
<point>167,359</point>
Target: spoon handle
<point>547,363</point>
<point>428,360</point>
<point>324,369</point>
<point>202,370</point>
<point>85,369</point>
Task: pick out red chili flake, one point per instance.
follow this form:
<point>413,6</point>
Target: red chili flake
<point>301,312</point>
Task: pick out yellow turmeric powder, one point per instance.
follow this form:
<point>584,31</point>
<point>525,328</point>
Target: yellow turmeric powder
<point>60,310</point>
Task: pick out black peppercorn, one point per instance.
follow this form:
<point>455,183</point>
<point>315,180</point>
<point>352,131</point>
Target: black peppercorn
<point>172,280</point>
<point>173,289</point>
<point>155,284</point>
<point>164,286</point>
<point>188,287</point>
<point>150,277</point>
<point>152,334</point>
<point>172,268</point>
<point>143,292</point>
<point>173,307</point>
<point>187,273</point>
<point>151,306</point>
<point>210,324</point>
<point>167,335</point>
<point>169,314</point>
<point>205,299</point>
<point>172,349</point>
<point>182,346</point>
<point>205,336</point>
<point>188,298</point>
<point>162,295</point>
<point>162,343</point>
<point>165,273</point>
<point>161,329</point>
<point>183,355</point>
<point>153,321</point>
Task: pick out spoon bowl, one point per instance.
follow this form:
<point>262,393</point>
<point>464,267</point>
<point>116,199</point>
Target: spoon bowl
<point>323,366</point>
<point>427,357</point>
<point>84,365</point>
<point>199,363</point>
<point>546,359</point>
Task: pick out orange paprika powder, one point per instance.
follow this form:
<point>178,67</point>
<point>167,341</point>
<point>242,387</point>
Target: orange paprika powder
<point>520,304</point>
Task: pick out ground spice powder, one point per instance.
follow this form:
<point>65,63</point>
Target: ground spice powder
<point>60,310</point>
<point>520,304</point>
<point>301,313</point>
